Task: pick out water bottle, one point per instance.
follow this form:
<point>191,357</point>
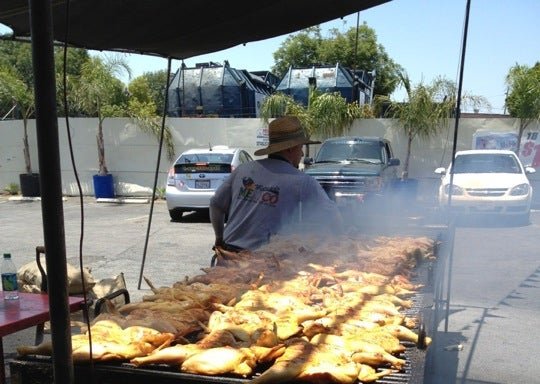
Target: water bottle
<point>9,278</point>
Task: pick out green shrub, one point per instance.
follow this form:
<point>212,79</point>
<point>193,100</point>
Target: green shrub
<point>12,189</point>
<point>160,193</point>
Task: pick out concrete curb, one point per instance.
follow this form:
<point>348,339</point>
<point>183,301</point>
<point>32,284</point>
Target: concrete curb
<point>26,198</point>
<point>123,200</point>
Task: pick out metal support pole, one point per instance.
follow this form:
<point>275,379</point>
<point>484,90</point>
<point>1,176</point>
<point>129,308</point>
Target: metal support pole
<point>458,114</point>
<point>51,186</point>
<point>156,174</point>
<point>451,242</point>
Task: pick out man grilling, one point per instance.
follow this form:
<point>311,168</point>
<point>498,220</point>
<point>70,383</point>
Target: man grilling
<point>265,197</point>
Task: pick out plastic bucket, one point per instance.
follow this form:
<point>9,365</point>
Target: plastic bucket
<point>103,186</point>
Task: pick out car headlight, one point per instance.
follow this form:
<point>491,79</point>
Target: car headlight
<point>456,190</point>
<point>520,190</point>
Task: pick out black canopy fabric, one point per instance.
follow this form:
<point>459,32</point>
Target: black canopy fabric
<point>178,29</point>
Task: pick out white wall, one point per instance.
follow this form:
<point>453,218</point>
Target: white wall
<point>131,154</point>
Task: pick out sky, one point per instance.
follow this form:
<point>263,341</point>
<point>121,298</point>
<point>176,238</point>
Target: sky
<point>423,36</point>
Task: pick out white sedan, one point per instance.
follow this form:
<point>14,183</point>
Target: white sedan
<point>486,181</point>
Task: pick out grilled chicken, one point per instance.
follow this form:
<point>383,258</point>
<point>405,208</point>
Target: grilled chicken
<point>404,333</point>
<point>304,361</point>
<point>174,355</point>
<point>109,342</point>
<point>245,323</point>
<point>221,360</point>
<point>211,360</point>
<point>362,351</point>
<point>368,374</point>
<point>313,309</point>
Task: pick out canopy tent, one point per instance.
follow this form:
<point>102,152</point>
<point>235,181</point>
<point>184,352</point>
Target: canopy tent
<point>177,29</point>
<point>168,28</point>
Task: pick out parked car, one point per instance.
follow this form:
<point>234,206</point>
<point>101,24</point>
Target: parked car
<point>485,181</point>
<point>196,174</point>
<point>355,170</point>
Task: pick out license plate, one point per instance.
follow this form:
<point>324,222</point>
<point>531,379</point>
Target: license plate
<point>202,184</point>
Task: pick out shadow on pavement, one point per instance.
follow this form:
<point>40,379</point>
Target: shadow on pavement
<point>194,217</point>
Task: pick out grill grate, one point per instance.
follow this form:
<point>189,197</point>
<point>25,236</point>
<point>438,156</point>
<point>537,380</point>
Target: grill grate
<point>26,369</point>
<point>415,357</point>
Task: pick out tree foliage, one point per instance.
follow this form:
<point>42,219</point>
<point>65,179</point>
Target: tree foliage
<point>523,100</point>
<point>280,104</point>
<point>299,50</point>
<point>308,48</point>
<point>18,57</point>
<point>330,114</point>
<point>93,89</point>
<point>426,111</point>
<point>142,110</point>
<point>73,64</point>
<point>152,87</point>
<point>98,93</point>
<point>17,96</point>
<point>327,114</point>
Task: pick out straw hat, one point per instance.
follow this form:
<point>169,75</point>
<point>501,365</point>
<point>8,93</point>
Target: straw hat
<point>284,132</point>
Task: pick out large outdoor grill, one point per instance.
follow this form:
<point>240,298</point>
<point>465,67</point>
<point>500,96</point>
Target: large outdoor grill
<point>38,369</point>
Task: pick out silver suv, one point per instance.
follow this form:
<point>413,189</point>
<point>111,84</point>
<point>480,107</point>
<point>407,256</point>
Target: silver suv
<point>354,169</point>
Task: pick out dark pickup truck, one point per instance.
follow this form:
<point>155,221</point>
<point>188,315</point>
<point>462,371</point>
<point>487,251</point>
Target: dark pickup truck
<point>354,169</point>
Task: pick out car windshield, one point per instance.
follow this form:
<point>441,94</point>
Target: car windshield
<point>351,151</point>
<point>486,163</point>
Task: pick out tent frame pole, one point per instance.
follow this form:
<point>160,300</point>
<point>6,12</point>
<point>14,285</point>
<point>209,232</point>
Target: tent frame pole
<point>41,27</point>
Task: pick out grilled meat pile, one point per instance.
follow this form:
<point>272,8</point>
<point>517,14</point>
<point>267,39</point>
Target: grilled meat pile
<point>109,342</point>
<point>302,308</point>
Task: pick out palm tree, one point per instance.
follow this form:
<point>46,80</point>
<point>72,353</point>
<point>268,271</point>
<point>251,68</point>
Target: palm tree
<point>279,104</point>
<point>331,114</point>
<point>425,113</point>
<point>327,114</point>
<point>523,99</point>
<point>14,93</point>
<point>100,94</point>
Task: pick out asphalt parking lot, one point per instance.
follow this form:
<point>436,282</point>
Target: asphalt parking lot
<point>113,242</point>
<point>114,239</point>
<point>495,291</point>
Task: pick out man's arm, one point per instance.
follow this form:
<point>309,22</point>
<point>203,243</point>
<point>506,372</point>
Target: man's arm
<point>219,207</point>
<point>217,217</point>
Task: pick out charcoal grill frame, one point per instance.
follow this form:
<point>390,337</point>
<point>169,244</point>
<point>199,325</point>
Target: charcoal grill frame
<point>426,304</point>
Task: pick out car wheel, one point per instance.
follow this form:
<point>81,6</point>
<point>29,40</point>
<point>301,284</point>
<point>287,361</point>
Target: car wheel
<point>176,215</point>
